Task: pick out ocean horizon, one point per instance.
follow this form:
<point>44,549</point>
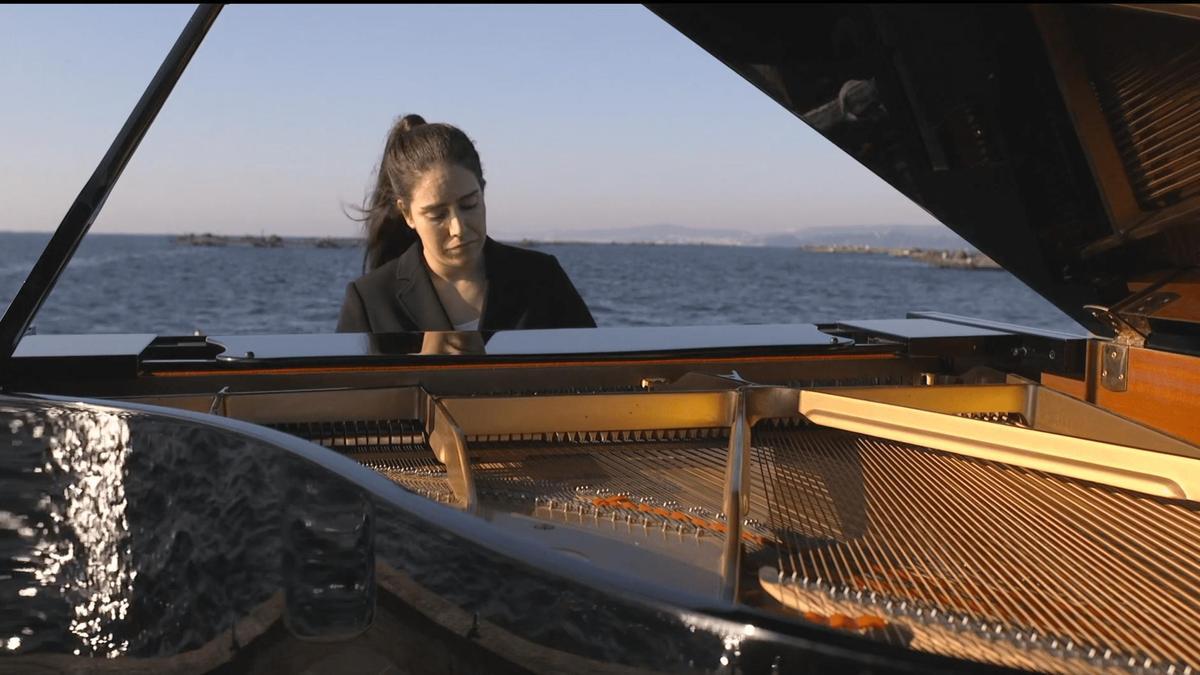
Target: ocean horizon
<point>126,283</point>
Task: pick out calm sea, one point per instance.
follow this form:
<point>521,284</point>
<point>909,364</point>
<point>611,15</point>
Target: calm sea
<point>150,284</point>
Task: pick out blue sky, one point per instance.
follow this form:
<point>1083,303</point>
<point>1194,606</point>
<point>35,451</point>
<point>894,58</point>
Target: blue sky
<point>595,116</point>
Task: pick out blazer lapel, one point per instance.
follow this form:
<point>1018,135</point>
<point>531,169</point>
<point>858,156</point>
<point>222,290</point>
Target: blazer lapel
<point>504,308</point>
<point>415,292</point>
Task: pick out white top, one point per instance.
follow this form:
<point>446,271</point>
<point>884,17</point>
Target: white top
<point>470,325</point>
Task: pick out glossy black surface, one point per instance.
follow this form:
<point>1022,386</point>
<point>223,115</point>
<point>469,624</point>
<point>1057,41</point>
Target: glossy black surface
<point>1040,350</point>
<point>78,357</point>
<point>598,342</point>
<point>110,345</point>
<point>913,329</point>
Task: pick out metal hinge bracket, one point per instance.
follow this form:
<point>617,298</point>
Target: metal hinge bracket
<point>1131,331</point>
<point>1130,321</point>
<point>1114,367</point>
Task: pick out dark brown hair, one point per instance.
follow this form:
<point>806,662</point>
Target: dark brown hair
<point>412,147</point>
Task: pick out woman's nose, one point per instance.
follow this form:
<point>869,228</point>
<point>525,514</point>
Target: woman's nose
<point>456,224</point>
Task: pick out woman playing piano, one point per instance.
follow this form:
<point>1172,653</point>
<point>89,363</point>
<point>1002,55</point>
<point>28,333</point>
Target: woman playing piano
<point>430,264</point>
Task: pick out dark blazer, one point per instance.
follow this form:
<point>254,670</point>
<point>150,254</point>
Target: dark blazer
<point>526,289</point>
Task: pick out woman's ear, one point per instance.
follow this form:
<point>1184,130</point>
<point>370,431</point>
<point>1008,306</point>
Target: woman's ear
<point>403,209</point>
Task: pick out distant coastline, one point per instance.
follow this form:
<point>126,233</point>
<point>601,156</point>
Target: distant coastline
<point>938,257</point>
<point>952,259</point>
<point>265,241</point>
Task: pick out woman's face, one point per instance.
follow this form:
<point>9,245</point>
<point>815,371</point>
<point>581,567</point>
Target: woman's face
<point>448,213</point>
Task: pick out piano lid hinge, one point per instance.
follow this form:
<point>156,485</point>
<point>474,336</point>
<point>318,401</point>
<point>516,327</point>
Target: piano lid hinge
<point>1114,367</point>
<point>1131,331</point>
<point>1130,318</point>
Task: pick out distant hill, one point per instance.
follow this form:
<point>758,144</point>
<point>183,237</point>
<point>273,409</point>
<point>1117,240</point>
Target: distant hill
<point>883,236</point>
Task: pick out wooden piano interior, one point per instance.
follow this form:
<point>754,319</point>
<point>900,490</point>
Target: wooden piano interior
<point>1053,526</point>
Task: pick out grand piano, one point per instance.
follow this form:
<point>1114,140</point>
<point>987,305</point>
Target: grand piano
<point>930,494</point>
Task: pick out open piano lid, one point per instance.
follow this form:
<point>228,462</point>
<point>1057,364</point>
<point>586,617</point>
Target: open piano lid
<point>1062,141</point>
